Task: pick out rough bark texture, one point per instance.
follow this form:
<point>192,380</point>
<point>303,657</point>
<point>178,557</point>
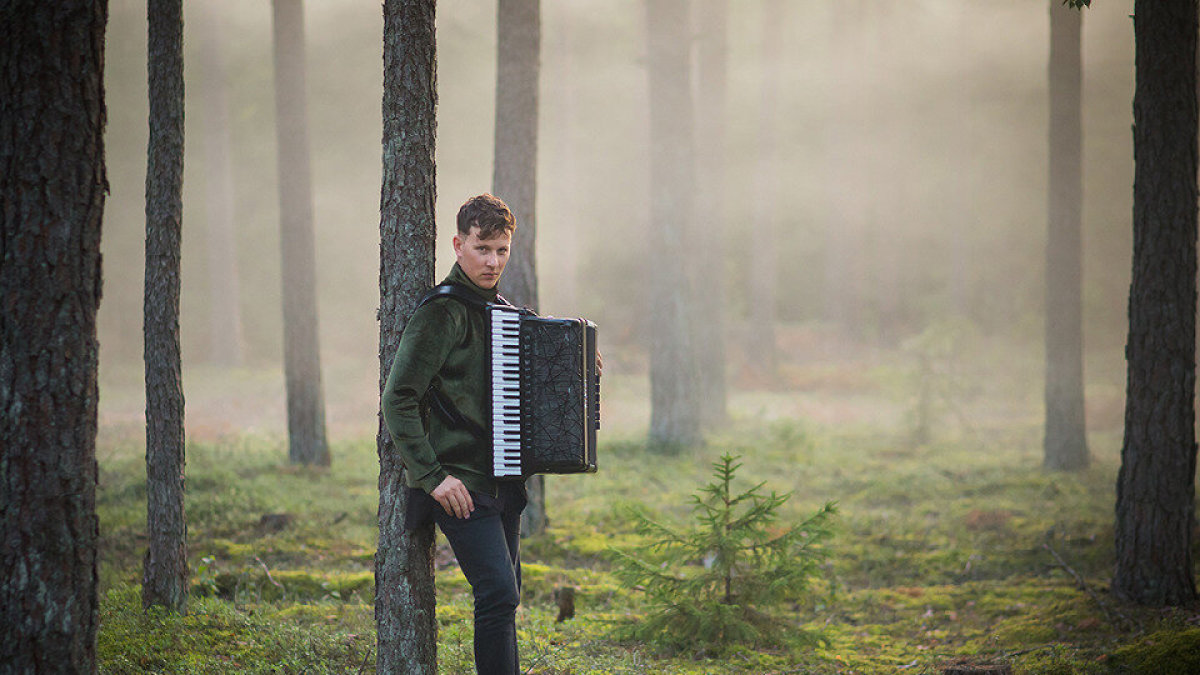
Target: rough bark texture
<point>165,574</point>
<point>762,354</point>
<point>1155,487</point>
<point>226,345</point>
<point>301,352</point>
<point>52,190</point>
<point>404,591</point>
<point>674,408</point>
<point>514,172</point>
<point>1065,446</point>
<point>709,326</point>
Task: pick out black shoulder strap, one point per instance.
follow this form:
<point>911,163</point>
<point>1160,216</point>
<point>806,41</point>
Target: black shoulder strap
<point>456,291</point>
<point>460,293</point>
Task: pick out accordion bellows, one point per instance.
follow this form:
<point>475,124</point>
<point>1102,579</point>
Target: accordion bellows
<point>545,393</point>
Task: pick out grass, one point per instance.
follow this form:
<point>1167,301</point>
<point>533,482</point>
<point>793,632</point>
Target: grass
<point>944,551</point>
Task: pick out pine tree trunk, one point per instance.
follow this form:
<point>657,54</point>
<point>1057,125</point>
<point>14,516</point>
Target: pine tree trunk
<point>226,339</point>
<point>674,405</point>
<point>52,191</point>
<point>564,196</point>
<point>165,574</point>
<point>1065,445</point>
<point>404,591</point>
<point>1155,486</point>
<point>762,352</point>
<point>301,352</point>
<point>709,292</point>
<point>514,172</point>
<point>842,297</point>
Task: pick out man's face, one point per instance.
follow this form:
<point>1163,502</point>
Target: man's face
<point>482,260</point>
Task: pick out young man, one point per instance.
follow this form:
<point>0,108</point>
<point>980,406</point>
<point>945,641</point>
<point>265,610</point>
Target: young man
<point>449,466</point>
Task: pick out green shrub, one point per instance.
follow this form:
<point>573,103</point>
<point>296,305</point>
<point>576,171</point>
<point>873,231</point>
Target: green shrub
<point>713,586</point>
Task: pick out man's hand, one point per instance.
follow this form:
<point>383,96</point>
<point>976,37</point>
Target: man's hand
<point>454,497</point>
<point>599,363</point>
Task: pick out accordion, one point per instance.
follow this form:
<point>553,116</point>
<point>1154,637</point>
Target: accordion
<point>545,393</point>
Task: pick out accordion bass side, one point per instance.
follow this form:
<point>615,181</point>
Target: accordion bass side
<point>545,393</point>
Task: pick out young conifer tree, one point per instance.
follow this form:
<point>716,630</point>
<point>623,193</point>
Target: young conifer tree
<point>746,568</point>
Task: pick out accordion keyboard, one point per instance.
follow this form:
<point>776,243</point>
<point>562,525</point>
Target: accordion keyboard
<point>506,390</point>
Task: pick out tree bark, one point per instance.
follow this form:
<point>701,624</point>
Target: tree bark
<point>165,574</point>
<point>514,173</point>
<point>710,292</point>
<point>1156,484</point>
<point>404,591</point>
<point>674,405</point>
<point>301,351</point>
<point>1065,446</point>
<point>226,345</point>
<point>52,192</point>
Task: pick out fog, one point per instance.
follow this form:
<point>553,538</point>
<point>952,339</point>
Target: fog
<point>907,188</point>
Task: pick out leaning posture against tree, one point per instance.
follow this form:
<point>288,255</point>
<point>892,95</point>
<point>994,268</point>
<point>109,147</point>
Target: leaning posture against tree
<point>447,467</point>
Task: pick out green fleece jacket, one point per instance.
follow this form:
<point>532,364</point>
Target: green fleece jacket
<point>444,344</point>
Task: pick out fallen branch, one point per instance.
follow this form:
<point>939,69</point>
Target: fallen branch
<point>271,578</point>
<point>363,668</point>
<point>1125,622</point>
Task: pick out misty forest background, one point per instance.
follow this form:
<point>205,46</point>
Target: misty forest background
<point>907,185</point>
<point>883,213</point>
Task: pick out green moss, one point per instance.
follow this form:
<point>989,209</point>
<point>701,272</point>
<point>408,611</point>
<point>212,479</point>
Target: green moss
<point>941,555</point>
<point>1166,651</point>
<point>216,637</point>
<point>227,549</point>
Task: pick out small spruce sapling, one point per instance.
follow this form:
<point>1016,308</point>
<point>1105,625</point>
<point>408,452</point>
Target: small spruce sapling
<point>713,585</point>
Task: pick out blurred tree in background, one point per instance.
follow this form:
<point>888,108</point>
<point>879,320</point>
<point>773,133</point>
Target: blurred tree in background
<point>165,574</point>
<point>514,173</point>
<point>674,403</point>
<point>709,322</point>
<point>1065,441</point>
<point>301,351</point>
<point>226,340</point>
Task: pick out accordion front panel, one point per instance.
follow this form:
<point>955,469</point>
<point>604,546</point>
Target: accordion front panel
<point>545,394</point>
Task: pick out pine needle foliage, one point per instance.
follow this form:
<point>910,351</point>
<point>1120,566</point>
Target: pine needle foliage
<point>714,585</point>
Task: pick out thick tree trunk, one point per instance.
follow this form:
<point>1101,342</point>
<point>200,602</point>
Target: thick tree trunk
<point>1156,483</point>
<point>301,352</point>
<point>226,341</point>
<point>165,575</point>
<point>404,591</point>
<point>514,172</point>
<point>709,292</point>
<point>674,405</point>
<point>52,191</point>
<point>1065,446</point>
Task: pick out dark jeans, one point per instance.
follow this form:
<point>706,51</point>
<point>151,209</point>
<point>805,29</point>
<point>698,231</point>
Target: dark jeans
<point>487,545</point>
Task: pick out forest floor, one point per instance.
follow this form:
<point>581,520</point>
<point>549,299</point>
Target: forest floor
<point>956,548</point>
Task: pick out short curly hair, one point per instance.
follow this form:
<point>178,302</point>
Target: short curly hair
<point>490,214</point>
